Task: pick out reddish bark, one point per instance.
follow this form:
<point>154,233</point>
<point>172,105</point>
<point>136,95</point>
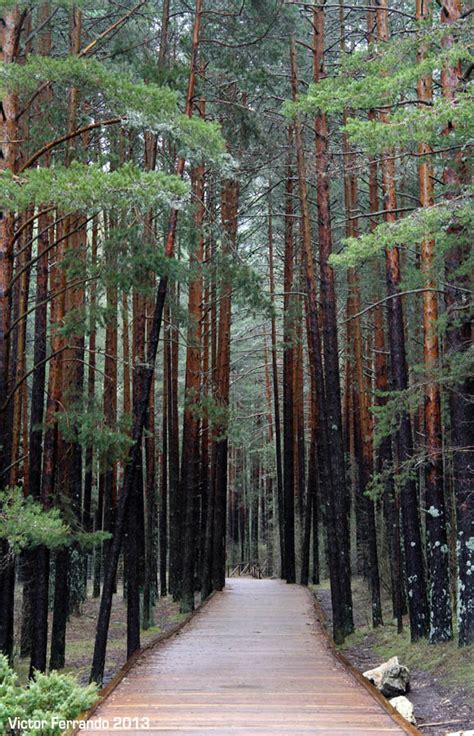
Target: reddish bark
<point>229,215</point>
<point>190,452</point>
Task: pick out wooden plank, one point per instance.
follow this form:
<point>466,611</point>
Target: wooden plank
<point>254,661</point>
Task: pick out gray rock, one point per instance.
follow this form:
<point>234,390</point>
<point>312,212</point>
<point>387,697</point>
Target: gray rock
<point>391,678</point>
<point>404,707</point>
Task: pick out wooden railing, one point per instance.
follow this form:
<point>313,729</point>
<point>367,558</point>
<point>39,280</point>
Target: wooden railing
<point>255,569</point>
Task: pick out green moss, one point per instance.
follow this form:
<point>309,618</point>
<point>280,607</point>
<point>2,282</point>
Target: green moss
<point>451,665</point>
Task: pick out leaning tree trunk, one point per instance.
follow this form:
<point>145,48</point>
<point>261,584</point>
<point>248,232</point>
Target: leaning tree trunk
<point>140,415</point>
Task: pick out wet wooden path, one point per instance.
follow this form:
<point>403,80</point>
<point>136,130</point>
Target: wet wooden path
<point>252,661</point>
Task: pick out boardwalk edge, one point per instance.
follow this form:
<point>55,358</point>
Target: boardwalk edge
<point>106,691</point>
<point>376,694</point>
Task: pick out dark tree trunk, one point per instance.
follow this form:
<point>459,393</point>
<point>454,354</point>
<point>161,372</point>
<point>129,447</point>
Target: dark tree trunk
<point>315,357</point>
<point>459,341</point>
<point>436,532</point>
<point>330,342</point>
<point>190,452</point>
<point>61,610</point>
<point>418,604</point>
<point>140,414</point>
<point>163,510</point>
<point>9,28</point>
<point>175,501</point>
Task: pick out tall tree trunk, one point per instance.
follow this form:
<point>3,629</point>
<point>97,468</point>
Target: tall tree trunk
<point>363,425</point>
<point>418,604</point>
<point>275,381</point>
<point>330,342</point>
<point>163,508</point>
<point>175,500</point>
<point>436,533</point>
<point>459,341</point>
<point>139,421</point>
<point>134,540</point>
<point>41,560</point>
<point>9,27</point>
<point>151,512</point>
<point>229,214</point>
<point>70,452</point>
<point>208,455</point>
<point>287,499</point>
<point>190,452</point>
<point>315,357</point>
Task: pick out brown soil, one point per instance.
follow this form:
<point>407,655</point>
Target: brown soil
<point>81,633</point>
<point>442,687</point>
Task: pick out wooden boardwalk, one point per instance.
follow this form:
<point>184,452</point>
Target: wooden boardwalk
<point>253,661</point>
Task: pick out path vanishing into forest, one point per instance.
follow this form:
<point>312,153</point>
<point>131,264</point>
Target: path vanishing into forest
<point>253,661</point>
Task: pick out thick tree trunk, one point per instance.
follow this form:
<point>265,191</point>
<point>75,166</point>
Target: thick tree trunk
<point>330,342</point>
<point>315,357</point>
<point>362,417</point>
<point>436,533</point>
<point>459,341</point>
<point>418,604</point>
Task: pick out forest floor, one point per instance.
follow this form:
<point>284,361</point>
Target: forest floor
<point>442,676</point>
<point>81,634</point>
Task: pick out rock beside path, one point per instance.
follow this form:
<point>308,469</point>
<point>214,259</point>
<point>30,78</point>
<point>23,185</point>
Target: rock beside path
<point>391,678</point>
<point>404,707</point>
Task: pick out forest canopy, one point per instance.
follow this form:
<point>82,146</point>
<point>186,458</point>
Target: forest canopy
<point>235,310</point>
